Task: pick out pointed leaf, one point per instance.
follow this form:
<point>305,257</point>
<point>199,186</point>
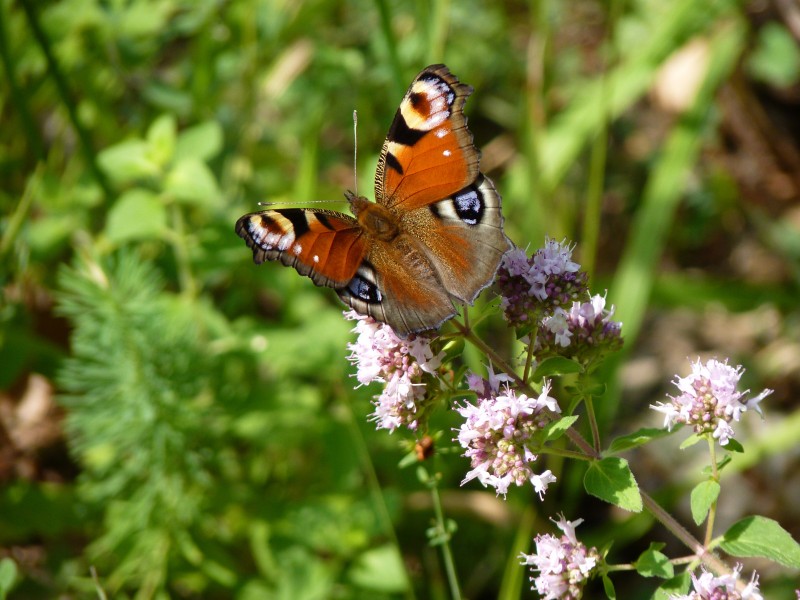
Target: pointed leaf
<point>201,142</point>
<point>191,181</point>
<point>161,139</point>
<point>610,479</point>
<point>635,439</point>
<point>653,563</point>
<point>676,586</point>
<point>138,214</point>
<point>127,161</point>
<point>690,441</point>
<point>760,536</point>
<point>608,588</point>
<point>556,429</point>
<point>556,365</point>
<point>704,495</point>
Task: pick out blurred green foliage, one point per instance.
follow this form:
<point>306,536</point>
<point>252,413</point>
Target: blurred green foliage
<point>220,447</point>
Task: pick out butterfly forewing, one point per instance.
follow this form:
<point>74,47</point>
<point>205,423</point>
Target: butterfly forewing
<point>428,153</point>
<point>324,245</point>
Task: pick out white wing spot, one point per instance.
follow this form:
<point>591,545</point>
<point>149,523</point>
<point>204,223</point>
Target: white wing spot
<point>297,249</point>
<point>446,153</point>
<point>316,258</point>
<point>440,133</point>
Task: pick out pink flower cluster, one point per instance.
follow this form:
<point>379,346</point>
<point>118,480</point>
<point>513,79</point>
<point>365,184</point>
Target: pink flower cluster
<point>563,564</point>
<point>709,400</point>
<point>496,433</point>
<point>712,587</point>
<point>400,364</point>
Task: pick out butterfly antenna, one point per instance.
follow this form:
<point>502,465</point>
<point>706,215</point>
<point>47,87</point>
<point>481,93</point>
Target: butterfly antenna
<point>355,152</point>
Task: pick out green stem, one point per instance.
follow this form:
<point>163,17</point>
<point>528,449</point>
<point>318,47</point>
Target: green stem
<point>564,452</point>
<point>592,416</point>
<point>439,26</point>
<point>32,133</point>
<point>529,358</point>
<point>20,214</point>
<point>712,511</point>
<point>447,555</point>
<point>179,246</point>
<point>66,98</point>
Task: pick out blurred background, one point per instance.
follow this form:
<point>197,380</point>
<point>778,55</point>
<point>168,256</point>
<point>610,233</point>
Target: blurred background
<point>177,422</point>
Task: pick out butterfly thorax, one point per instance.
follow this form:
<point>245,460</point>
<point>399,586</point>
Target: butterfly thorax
<point>375,219</point>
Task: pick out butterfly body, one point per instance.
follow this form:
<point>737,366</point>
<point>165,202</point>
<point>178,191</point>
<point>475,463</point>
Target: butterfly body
<point>433,236</point>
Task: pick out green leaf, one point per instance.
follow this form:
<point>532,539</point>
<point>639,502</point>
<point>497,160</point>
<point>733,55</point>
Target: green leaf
<point>127,161</point>
<point>608,587</point>
<point>161,140</point>
<point>191,181</point>
<point>760,536</point>
<point>556,429</point>
<point>676,586</point>
<point>138,214</point>
<point>8,576</point>
<point>704,495</point>
<point>721,464</point>
<point>380,569</point>
<point>734,446</point>
<point>595,389</point>
<point>453,348</point>
<point>635,439</point>
<point>610,479</point>
<point>690,441</point>
<point>555,366</point>
<point>201,142</point>
<point>653,563</point>
<point>776,58</point>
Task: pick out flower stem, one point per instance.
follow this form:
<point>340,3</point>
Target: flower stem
<point>529,357</point>
<point>712,511</point>
<point>679,531</point>
<point>590,414</point>
<point>444,537</point>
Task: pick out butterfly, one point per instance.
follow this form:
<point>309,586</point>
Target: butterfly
<point>434,235</point>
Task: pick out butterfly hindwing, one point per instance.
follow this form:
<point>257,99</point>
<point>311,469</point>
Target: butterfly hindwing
<point>463,238</point>
<point>326,246</point>
<point>428,153</point>
<point>396,284</point>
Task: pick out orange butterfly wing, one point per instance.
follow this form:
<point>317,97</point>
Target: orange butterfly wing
<point>326,246</point>
<point>428,153</point>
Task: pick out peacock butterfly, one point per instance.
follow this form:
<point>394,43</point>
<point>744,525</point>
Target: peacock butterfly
<point>433,236</point>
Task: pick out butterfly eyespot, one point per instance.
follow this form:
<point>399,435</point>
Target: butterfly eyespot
<point>469,206</point>
<point>364,290</point>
